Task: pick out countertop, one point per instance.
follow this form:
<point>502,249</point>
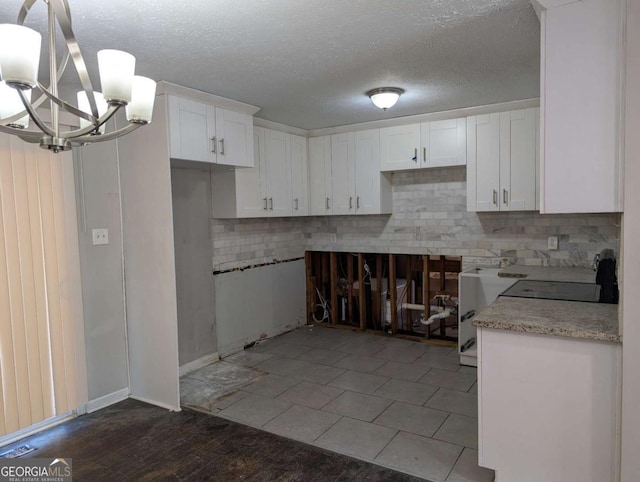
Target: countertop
<point>592,321</point>
<point>542,273</point>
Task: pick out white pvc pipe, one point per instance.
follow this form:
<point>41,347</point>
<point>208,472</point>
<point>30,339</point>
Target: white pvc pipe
<point>412,306</point>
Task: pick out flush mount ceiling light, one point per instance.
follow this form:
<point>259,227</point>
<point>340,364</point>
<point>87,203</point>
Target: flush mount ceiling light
<point>19,61</point>
<point>385,97</point>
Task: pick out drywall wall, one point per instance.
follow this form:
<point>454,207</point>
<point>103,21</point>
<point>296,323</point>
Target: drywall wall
<point>98,206</point>
<point>429,216</point>
<point>191,199</point>
<point>258,303</point>
<point>150,279</point>
<point>630,467</point>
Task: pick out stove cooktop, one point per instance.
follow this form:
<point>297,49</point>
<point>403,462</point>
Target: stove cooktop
<point>554,290</point>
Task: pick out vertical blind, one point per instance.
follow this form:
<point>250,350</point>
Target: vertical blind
<point>42,363</point>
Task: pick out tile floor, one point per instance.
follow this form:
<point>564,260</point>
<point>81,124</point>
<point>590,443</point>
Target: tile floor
<point>396,403</point>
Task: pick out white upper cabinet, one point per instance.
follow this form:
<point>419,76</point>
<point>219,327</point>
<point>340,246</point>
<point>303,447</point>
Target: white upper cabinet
<point>580,158</point>
<point>234,132</point>
<point>192,127</point>
<point>444,143</point>
<point>299,176</point>
<point>276,175</point>
<point>483,162</point>
<point>320,176</point>
<point>519,160</point>
<point>502,161</point>
<point>399,147</point>
<point>429,144</point>
<point>205,133</point>
<point>343,185</point>
<point>372,188</point>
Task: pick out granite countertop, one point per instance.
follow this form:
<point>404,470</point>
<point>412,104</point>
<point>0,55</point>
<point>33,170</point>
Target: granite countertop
<point>591,321</point>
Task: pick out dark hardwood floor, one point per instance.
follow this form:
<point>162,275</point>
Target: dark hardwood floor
<point>136,441</point>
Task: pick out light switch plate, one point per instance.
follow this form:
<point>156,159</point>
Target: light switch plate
<point>100,236</point>
<point>552,242</point>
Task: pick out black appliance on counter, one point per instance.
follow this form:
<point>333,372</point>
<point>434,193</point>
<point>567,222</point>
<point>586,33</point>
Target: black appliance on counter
<point>606,277</point>
<point>554,290</point>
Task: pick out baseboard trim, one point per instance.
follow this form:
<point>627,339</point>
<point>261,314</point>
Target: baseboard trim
<point>106,400</point>
<point>199,363</point>
<point>157,404</point>
<point>35,428</point>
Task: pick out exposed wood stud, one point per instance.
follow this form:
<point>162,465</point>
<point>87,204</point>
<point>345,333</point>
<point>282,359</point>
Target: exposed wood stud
<point>333,280</point>
<point>393,293</point>
<point>361,292</point>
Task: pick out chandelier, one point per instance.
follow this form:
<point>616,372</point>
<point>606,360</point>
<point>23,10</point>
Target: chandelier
<point>19,62</point>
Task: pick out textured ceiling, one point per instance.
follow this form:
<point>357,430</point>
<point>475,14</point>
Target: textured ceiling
<point>309,63</point>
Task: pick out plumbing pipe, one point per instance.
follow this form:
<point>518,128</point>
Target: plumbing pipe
<point>444,314</point>
<point>413,306</point>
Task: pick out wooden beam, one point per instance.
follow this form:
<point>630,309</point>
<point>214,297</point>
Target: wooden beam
<point>393,293</point>
<point>333,280</point>
<point>426,292</point>
<point>361,292</point>
<point>350,286</point>
<point>311,285</point>
<point>377,297</point>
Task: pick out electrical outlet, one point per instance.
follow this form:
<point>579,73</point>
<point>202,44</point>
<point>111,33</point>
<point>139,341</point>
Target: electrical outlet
<point>333,239</point>
<point>100,236</point>
<point>552,242</point>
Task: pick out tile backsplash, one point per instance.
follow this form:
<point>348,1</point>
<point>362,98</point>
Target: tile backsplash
<point>429,217</point>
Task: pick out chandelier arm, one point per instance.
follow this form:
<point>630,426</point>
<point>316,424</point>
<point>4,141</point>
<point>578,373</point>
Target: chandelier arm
<point>72,109</point>
<point>34,116</point>
<point>96,125</point>
<point>33,135</point>
<point>110,136</point>
<point>62,13</point>
<point>22,14</point>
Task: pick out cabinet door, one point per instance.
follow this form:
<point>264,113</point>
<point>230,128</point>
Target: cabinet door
<point>251,196</point>
<point>320,176</point>
<point>278,173</point>
<point>299,176</point>
<point>518,160</point>
<point>342,173</point>
<point>191,130</point>
<point>483,162</point>
<point>444,143</point>
<point>235,138</point>
<point>367,171</point>
<point>399,147</point>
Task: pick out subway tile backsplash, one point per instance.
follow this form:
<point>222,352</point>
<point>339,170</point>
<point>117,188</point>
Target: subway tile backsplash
<point>429,217</point>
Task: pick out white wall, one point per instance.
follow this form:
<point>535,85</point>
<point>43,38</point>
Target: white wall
<point>631,260</point>
<point>98,205</point>
<point>258,303</point>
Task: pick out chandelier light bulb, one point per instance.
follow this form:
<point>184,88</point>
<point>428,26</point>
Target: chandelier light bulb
<point>143,95</point>
<point>116,75</point>
<point>19,55</point>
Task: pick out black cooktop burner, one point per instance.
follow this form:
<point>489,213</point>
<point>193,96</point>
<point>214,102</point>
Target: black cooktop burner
<point>554,290</point>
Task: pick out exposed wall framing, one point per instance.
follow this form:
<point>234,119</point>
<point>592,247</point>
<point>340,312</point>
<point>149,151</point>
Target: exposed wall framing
<point>391,293</point>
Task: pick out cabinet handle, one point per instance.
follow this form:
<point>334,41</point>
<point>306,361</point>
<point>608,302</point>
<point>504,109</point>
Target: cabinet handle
<point>213,145</point>
<point>271,203</point>
<point>505,196</point>
<point>327,203</point>
<point>415,155</point>
<point>222,147</point>
<point>296,203</point>
<point>424,155</point>
<point>358,202</point>
<point>265,203</point>
<point>350,202</point>
<point>495,197</point>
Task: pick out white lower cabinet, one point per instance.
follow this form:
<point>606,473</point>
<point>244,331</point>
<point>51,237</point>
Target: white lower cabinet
<point>502,161</point>
<point>548,407</point>
<point>320,176</point>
